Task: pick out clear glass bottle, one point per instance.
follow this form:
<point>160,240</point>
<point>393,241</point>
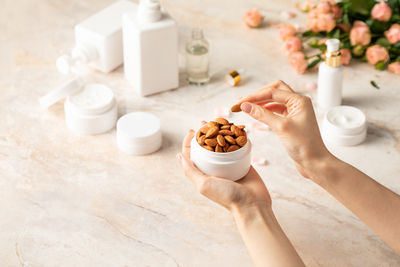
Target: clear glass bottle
<point>197,59</point>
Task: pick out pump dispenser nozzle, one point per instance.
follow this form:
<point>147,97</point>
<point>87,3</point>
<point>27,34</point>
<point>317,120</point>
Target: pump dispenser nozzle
<point>84,53</point>
<point>333,55</point>
<point>149,11</point>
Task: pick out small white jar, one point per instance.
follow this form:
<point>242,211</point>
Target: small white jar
<point>231,165</point>
<point>139,133</point>
<point>344,126</point>
<point>89,109</point>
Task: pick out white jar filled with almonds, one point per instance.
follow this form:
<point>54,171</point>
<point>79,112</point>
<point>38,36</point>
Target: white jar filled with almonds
<point>222,149</point>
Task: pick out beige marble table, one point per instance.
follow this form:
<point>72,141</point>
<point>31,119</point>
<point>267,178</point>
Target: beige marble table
<point>74,200</point>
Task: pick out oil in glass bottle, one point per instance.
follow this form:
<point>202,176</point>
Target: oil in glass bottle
<point>197,59</point>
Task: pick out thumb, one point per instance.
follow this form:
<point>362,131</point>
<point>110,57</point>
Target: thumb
<point>190,170</point>
<point>261,114</point>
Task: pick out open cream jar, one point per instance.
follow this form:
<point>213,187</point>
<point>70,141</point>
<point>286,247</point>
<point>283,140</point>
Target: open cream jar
<point>89,109</point>
<point>231,165</point>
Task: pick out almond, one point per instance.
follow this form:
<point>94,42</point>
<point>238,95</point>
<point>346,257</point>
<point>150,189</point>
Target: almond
<point>219,149</point>
<point>226,127</point>
<point>212,132</point>
<point>233,128</point>
<point>198,134</point>
<point>226,147</point>
<point>222,121</point>
<point>201,140</point>
<point>204,129</point>
<point>232,148</point>
<point>241,127</point>
<point>230,140</point>
<point>226,132</point>
<point>221,140</point>
<point>241,141</point>
<point>209,148</point>
<point>236,108</point>
<point>211,142</point>
<point>238,132</point>
<point>212,124</point>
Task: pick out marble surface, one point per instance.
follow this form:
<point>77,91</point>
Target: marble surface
<point>74,200</point>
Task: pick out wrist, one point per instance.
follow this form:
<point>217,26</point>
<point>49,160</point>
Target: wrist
<point>249,214</point>
<point>324,171</point>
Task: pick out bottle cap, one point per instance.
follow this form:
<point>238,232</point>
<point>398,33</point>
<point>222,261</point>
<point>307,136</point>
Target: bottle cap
<point>139,133</point>
<point>234,77</point>
<point>62,91</point>
<point>332,45</point>
<point>333,55</point>
<point>149,11</point>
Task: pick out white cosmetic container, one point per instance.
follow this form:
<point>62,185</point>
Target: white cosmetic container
<point>98,40</point>
<point>89,109</point>
<point>150,38</point>
<point>330,77</point>
<point>344,126</point>
<point>139,133</point>
<point>232,165</point>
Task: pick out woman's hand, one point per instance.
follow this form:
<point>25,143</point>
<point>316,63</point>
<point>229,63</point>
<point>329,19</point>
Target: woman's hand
<point>250,191</point>
<point>291,117</point>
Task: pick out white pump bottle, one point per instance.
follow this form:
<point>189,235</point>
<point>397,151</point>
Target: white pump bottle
<point>330,77</point>
<point>150,38</point>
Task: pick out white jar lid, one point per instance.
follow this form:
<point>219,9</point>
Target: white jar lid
<point>70,87</point>
<point>344,126</point>
<point>139,133</point>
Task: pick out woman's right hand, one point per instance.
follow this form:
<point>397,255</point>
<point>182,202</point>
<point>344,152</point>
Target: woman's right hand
<point>291,117</point>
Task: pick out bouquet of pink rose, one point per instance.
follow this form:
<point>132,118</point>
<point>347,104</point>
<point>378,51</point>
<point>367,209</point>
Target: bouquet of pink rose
<point>366,29</point>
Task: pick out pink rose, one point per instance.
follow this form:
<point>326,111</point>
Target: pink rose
<point>252,18</point>
<point>323,41</point>
<point>286,31</point>
<point>395,67</point>
<point>346,56</point>
<point>337,11</point>
<point>377,53</point>
<point>293,44</point>
<point>312,20</point>
<point>298,62</point>
<point>343,27</point>
<point>393,34</point>
<point>360,33</point>
<point>381,11</point>
<point>326,22</point>
<point>323,7</point>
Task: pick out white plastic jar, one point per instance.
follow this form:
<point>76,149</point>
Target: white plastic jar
<point>89,109</point>
<point>344,126</point>
<point>231,165</point>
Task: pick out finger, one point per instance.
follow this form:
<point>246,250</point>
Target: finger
<point>186,143</point>
<point>277,108</point>
<point>202,123</point>
<point>194,174</point>
<point>261,114</point>
<point>279,84</point>
<point>269,94</point>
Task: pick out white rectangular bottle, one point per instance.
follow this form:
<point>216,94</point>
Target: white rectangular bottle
<point>98,40</point>
<point>330,77</point>
<point>150,38</point>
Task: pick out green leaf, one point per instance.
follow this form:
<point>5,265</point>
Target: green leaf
<point>383,42</point>
<point>393,3</point>
<point>336,34</point>
<point>347,44</point>
<point>308,33</point>
<point>378,26</point>
<point>374,85</point>
<point>314,63</point>
<point>397,45</point>
<point>346,19</point>
<point>322,47</point>
<point>360,6</point>
<point>397,59</point>
<point>395,18</point>
<point>313,43</point>
<point>364,58</point>
<point>380,65</point>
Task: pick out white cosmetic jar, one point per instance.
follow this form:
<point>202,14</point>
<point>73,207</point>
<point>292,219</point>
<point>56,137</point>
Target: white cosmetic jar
<point>89,108</point>
<point>139,133</point>
<point>231,165</point>
<point>344,126</point>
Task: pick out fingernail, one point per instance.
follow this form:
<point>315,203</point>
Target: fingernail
<point>246,107</point>
<point>179,157</point>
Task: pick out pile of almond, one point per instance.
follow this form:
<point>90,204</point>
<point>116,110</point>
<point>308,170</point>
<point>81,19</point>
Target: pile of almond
<point>221,136</point>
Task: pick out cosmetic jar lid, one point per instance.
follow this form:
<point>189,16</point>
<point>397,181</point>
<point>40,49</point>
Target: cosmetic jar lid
<point>234,77</point>
<point>344,126</point>
<point>139,133</point>
<point>70,87</point>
